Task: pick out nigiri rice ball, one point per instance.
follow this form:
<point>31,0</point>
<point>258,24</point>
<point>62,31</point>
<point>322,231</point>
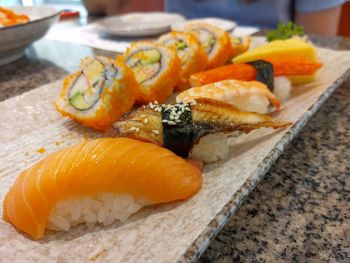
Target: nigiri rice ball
<point>252,103</point>
<point>211,148</point>
<point>282,88</point>
<point>104,209</point>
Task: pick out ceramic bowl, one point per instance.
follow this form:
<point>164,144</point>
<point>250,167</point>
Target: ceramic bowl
<point>15,39</point>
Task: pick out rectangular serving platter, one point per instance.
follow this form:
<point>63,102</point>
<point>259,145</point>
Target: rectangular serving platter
<point>30,129</point>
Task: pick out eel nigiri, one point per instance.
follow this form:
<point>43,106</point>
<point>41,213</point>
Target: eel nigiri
<point>97,181</point>
<point>178,127</point>
<point>245,95</point>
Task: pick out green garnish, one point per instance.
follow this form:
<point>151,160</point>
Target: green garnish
<point>180,45</point>
<point>285,31</point>
<point>212,41</point>
<point>95,83</point>
<point>78,102</point>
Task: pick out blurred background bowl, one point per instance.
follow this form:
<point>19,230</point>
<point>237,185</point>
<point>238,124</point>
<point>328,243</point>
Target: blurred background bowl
<point>139,24</point>
<point>224,24</point>
<point>15,39</point>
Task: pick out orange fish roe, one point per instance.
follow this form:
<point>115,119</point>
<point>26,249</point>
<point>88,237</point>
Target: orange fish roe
<point>41,150</point>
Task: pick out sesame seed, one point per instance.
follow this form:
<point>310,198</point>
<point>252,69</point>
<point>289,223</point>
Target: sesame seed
<point>145,121</point>
<point>155,131</point>
<point>132,129</point>
<point>171,122</point>
<point>165,121</point>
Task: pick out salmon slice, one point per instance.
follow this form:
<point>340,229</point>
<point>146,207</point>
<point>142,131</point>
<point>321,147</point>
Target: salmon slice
<point>226,90</point>
<point>106,165</point>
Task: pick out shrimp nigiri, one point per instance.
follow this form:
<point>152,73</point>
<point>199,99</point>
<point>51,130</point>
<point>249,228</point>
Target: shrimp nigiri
<point>251,96</point>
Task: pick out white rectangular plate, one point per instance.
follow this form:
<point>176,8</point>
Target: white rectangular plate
<point>165,233</point>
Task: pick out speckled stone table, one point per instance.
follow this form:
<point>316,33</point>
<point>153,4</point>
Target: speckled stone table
<point>299,212</point>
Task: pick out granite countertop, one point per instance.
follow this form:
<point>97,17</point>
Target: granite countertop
<point>298,213</point>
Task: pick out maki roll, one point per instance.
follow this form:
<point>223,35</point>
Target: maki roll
<point>156,69</point>
<point>239,45</point>
<point>214,40</point>
<point>192,55</point>
<point>98,93</point>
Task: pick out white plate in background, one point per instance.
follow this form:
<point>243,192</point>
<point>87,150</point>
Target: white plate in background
<point>139,24</point>
<point>224,24</point>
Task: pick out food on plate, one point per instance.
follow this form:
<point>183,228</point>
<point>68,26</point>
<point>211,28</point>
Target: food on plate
<point>282,88</point>
<point>179,127</point>
<point>156,69</point>
<point>214,40</point>
<point>239,45</point>
<point>98,93</point>
<point>192,55</point>
<point>281,67</point>
<point>290,49</point>
<point>97,181</point>
<point>10,18</point>
<point>250,96</point>
<point>285,31</point>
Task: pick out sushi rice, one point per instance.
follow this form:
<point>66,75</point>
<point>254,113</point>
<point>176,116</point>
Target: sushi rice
<point>105,208</point>
<point>282,88</point>
<point>211,148</point>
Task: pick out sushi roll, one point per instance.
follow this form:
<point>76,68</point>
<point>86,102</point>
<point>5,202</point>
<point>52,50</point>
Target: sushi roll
<point>98,93</point>
<point>97,181</point>
<point>239,45</point>
<point>250,96</point>
<point>156,69</point>
<point>178,127</point>
<point>192,56</point>
<point>214,40</point>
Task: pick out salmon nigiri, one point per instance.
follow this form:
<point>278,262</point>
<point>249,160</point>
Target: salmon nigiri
<point>97,181</point>
<point>250,96</point>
